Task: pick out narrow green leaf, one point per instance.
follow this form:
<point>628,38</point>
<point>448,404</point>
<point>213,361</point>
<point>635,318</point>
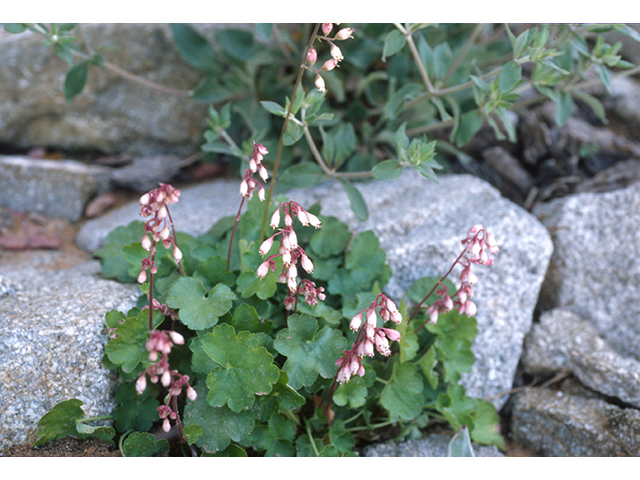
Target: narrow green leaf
<point>75,80</point>
<point>509,76</point>
<point>358,205</point>
<point>393,43</point>
<point>194,48</point>
<point>470,124</point>
<point>593,103</point>
<point>460,445</point>
<point>564,107</point>
<point>273,107</point>
<point>14,27</point>
<point>387,170</point>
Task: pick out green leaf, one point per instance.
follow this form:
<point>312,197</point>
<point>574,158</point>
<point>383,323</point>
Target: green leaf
<point>288,398</point>
<point>245,317</point>
<point>309,352</point>
<point>341,438</point>
<point>627,30</point>
<point>135,411</point>
<point>338,144</point>
<point>509,76</point>
<point>331,240</point>
<point>14,27</point>
<point>143,444</point>
<point>237,44</point>
<point>274,108</point>
<point>213,428</point>
<point>276,437</point>
<point>302,175</point>
<point>387,170</point>
<point>250,284</point>
<point>364,265</point>
<point>293,133</point>
<point>402,396</point>
<point>358,205</point>
<point>128,348</point>
<point>112,260</point>
<point>460,444</point>
<point>408,340</point>
<point>197,310</point>
<point>59,422</point>
<point>456,407</point>
<point>486,424</point>
<point>352,393</point>
<point>393,43</point>
<point>428,363</point>
<point>244,369</point>
<point>194,48</point>
<point>214,271</point>
<point>64,52</point>
<point>470,124</point>
<point>593,103</point>
<point>75,80</point>
<point>564,107</point>
<point>605,78</point>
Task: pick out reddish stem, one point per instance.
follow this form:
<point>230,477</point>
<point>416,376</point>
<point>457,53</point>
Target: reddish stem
<point>233,232</point>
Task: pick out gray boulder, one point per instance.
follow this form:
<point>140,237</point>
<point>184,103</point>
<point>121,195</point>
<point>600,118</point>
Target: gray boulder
<point>58,188</point>
<point>112,114</point>
<point>420,225</point>
<point>595,268</point>
<point>434,445</point>
<point>556,424</point>
<point>52,338</point>
<point>562,341</point>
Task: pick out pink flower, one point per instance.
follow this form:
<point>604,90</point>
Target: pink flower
<point>141,383</point>
<point>344,33</point>
<point>328,66</point>
<point>320,84</point>
<point>326,28</point>
<point>336,53</point>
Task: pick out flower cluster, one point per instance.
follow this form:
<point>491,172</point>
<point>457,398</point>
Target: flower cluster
<point>308,290</point>
<point>478,241</point>
<point>249,184</point>
<point>289,249</point>
<point>336,53</point>
<point>156,203</point>
<point>369,336</point>
<point>159,346</point>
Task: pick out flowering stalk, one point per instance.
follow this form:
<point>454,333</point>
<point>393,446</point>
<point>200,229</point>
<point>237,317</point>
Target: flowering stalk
<point>369,336</point>
<point>478,241</point>
<point>289,249</point>
<point>156,203</point>
<point>249,185</point>
<point>308,290</point>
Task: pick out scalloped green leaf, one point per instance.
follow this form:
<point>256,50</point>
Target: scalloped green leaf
<point>243,369</point>
<point>213,428</point>
<point>143,444</point>
<point>276,437</point>
<point>59,422</point>
<point>199,310</point>
<point>309,352</point>
<point>135,411</point>
<point>128,348</point>
<point>402,396</point>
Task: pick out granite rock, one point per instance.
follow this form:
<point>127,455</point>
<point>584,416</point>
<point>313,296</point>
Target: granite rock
<point>595,267</point>
<point>59,188</point>
<point>562,341</point>
<point>434,445</point>
<point>52,338</point>
<point>555,424</point>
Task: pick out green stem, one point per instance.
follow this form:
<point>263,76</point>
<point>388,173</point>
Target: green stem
<point>94,419</point>
<point>274,175</point>
<point>372,426</point>
<point>311,441</point>
<point>416,57</point>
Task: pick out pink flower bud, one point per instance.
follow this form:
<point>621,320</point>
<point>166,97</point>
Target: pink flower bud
<point>320,84</point>
<point>275,218</point>
<point>142,277</point>
<point>191,394</point>
<point>166,378</point>
<point>344,33</point>
<point>263,269</point>
<point>356,321</point>
<point>313,220</point>
<point>326,28</point>
<point>144,199</point>
<point>261,194</point>
<point>141,384</point>
<point>177,254</point>
<point>307,264</point>
<point>371,317</point>
<point>312,56</point>
<point>266,246</point>
<point>392,335</point>
<point>146,243</point>
<point>329,65</point>
<point>263,173</point>
<point>166,426</point>
<point>176,337</point>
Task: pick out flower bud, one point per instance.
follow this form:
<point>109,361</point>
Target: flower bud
<point>307,264</point>
<point>142,277</point>
<point>146,243</point>
<point>320,84</point>
<point>176,337</point>
<point>313,220</point>
<point>166,426</point>
<point>344,33</point>
<point>356,321</point>
<point>191,393</point>
<point>326,28</point>
<point>141,384</point>
<point>275,218</point>
<point>329,65</point>
<point>263,269</point>
<point>177,254</point>
<point>312,56</point>
<point>166,378</point>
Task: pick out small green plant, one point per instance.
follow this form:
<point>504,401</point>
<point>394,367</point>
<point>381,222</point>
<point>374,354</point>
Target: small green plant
<point>286,344</point>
